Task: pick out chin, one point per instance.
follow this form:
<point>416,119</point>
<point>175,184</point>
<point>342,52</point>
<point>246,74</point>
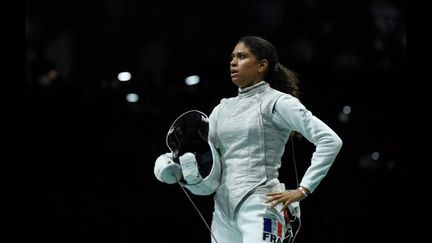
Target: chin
<point>236,82</point>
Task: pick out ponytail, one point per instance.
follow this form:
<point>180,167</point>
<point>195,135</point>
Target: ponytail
<point>278,76</point>
<point>281,78</point>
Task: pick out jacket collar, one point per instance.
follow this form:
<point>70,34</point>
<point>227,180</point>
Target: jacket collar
<point>254,89</point>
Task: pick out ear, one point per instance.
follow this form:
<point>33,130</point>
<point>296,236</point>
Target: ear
<point>263,66</point>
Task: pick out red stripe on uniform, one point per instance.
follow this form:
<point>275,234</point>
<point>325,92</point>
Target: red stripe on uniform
<point>279,229</point>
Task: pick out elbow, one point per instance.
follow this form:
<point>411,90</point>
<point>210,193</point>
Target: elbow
<point>337,142</point>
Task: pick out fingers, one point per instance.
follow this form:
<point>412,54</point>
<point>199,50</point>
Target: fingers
<point>285,206</point>
<point>279,197</point>
<point>275,203</point>
<point>274,193</point>
<point>273,198</point>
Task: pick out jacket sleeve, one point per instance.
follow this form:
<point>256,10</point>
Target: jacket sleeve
<point>212,136</point>
<point>291,114</point>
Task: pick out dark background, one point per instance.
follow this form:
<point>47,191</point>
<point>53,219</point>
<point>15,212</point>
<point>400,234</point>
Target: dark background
<point>93,152</point>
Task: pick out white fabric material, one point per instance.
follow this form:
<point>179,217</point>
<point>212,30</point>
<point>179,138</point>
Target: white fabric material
<point>166,170</point>
<point>251,145</point>
<point>189,168</point>
<point>252,129</point>
<point>210,183</point>
<point>249,225</point>
<point>291,114</point>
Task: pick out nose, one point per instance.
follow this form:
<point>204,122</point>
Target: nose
<point>233,62</point>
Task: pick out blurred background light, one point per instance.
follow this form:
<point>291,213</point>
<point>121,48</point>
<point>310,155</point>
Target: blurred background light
<point>124,76</point>
<point>192,80</point>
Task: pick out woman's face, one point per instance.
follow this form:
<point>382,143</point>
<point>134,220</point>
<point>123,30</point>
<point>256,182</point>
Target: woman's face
<point>245,69</point>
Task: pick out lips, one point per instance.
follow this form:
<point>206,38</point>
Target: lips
<point>234,73</point>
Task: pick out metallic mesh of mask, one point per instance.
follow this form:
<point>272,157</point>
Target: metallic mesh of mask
<point>189,134</point>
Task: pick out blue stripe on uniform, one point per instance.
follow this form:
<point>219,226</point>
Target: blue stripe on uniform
<point>267,225</point>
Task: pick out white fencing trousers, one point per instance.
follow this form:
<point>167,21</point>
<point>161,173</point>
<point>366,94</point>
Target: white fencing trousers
<point>255,222</point>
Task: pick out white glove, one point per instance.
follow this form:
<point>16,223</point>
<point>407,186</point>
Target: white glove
<point>189,168</point>
<point>166,170</point>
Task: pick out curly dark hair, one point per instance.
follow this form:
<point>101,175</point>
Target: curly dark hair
<point>278,76</point>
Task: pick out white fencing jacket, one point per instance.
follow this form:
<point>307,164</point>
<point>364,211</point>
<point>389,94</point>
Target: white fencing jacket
<point>251,130</point>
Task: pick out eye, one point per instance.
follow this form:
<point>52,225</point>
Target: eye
<point>241,55</point>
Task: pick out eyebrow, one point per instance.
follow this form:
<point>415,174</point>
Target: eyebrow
<point>240,52</point>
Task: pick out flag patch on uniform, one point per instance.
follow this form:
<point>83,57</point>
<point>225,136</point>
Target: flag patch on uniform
<point>272,230</point>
